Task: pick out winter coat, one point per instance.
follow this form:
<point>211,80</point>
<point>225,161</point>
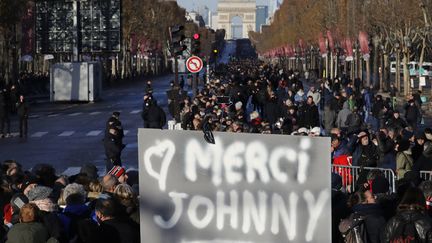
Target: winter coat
<point>340,211</point>
<point>112,148</point>
<point>154,117</point>
<point>353,122</point>
<point>22,109</point>
<point>374,220</point>
<point>310,116</point>
<point>329,118</point>
<point>412,114</point>
<point>121,230</point>
<point>271,111</point>
<point>316,96</point>
<point>343,116</point>
<point>72,214</point>
<point>367,100</point>
<point>386,152</point>
<point>404,163</point>
<point>397,124</point>
<point>421,221</point>
<point>365,156</point>
<point>33,232</point>
<point>424,162</point>
<point>300,96</point>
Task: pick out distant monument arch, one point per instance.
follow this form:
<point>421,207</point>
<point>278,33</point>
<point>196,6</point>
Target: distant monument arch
<point>231,9</point>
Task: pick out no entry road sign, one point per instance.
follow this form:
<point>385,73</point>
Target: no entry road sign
<point>194,64</point>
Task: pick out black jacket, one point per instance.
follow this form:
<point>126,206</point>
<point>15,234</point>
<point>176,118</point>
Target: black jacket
<point>22,109</point>
<point>424,162</point>
<point>422,222</point>
<point>374,220</point>
<point>154,117</point>
<point>121,231</point>
<point>310,116</point>
<point>271,111</point>
<point>412,113</point>
<point>112,148</point>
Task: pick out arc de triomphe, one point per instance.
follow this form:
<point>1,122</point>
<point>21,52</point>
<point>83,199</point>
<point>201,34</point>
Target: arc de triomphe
<point>245,9</point>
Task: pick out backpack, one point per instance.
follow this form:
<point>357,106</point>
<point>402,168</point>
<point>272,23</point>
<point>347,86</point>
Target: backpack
<point>406,232</point>
<point>353,229</point>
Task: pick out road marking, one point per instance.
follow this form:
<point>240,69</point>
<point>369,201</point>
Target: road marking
<point>70,171</point>
<point>14,134</point>
<point>53,115</point>
<point>34,116</point>
<point>95,113</point>
<point>66,134</point>
<point>94,133</point>
<point>132,145</point>
<point>100,166</point>
<point>75,114</point>
<point>135,111</point>
<point>39,134</point>
<point>125,132</point>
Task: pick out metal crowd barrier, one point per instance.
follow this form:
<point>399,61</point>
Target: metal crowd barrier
<point>426,175</point>
<point>350,174</point>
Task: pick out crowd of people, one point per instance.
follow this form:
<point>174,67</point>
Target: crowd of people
<point>366,130</point>
<point>38,206</point>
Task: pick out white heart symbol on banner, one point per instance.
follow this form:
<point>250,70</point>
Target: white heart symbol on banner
<point>166,150</point>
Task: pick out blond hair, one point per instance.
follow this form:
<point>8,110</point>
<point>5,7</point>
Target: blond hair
<point>124,191</point>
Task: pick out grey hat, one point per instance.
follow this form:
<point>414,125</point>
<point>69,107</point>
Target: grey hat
<point>74,188</point>
<point>39,193</point>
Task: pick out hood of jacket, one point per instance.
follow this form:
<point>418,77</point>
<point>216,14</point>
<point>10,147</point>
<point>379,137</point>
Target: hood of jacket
<point>345,105</point>
<point>427,152</point>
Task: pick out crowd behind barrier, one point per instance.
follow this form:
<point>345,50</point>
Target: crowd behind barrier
<point>351,174</point>
<point>378,149</point>
<point>378,146</point>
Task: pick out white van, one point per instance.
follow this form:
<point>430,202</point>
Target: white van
<point>426,69</point>
<point>412,66</point>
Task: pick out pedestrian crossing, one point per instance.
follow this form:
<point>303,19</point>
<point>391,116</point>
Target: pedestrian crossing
<point>66,134</point>
<point>39,134</point>
<point>78,114</point>
<point>100,166</point>
<point>93,133</point>
<point>135,111</point>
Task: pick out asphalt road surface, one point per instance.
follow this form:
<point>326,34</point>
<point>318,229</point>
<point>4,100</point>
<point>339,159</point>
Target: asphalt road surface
<point>69,135</point>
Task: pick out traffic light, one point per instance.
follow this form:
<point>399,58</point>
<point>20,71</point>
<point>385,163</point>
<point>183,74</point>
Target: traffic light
<point>196,44</point>
<point>177,37</point>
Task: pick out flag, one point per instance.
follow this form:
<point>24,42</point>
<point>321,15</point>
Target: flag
<point>330,40</point>
<point>322,45</point>
<point>364,43</point>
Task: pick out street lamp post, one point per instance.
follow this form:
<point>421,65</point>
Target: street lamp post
<point>381,68</point>
<point>407,85</point>
<point>397,74</point>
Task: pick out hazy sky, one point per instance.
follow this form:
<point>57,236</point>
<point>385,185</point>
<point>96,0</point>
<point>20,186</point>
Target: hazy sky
<point>211,4</point>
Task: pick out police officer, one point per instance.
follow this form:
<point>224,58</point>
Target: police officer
<point>113,149</point>
<point>22,111</point>
<point>153,115</point>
